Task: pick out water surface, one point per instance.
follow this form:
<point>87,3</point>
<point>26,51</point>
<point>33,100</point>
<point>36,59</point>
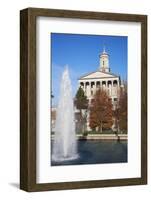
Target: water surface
<point>97,151</point>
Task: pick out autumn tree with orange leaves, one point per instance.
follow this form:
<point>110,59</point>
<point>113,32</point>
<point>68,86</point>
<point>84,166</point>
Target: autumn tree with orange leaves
<point>120,113</point>
<point>123,112</point>
<point>101,114</point>
<point>123,109</point>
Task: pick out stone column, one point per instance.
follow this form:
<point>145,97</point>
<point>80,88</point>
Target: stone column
<point>84,87</point>
<point>89,89</point>
<point>100,84</point>
<point>112,88</point>
<point>118,86</point>
<point>104,85</point>
<point>94,86</point>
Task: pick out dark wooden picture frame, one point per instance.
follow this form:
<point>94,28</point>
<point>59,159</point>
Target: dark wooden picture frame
<point>28,98</point>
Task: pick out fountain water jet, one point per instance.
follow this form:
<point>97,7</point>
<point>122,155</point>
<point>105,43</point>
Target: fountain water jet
<point>65,142</point>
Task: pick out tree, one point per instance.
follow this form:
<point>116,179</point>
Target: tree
<point>81,103</point>
<point>81,100</point>
<point>120,113</point>
<point>101,111</point>
<point>123,109</point>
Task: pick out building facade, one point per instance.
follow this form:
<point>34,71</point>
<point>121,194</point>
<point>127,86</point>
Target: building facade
<point>101,78</point>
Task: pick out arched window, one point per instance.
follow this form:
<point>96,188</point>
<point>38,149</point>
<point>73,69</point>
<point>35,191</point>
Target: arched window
<point>109,83</point>
<point>103,83</point>
<point>81,84</point>
<point>115,83</point>
<point>87,84</point>
<point>98,84</point>
<point>92,84</point>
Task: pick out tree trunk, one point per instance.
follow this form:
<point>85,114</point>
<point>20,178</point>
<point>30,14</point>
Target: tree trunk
<point>118,129</point>
<point>101,127</point>
<point>81,123</point>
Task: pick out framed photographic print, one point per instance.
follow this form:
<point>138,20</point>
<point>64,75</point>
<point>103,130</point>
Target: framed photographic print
<point>83,99</point>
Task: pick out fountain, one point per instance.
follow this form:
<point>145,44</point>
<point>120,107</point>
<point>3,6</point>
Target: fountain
<point>65,142</point>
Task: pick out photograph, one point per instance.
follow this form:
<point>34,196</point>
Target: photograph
<point>88,98</point>
<point>83,99</point>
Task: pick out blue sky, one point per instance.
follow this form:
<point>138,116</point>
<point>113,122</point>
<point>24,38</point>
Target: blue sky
<point>81,54</point>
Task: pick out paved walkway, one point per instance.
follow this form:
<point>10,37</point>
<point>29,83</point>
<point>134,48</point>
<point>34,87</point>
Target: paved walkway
<point>103,137</point>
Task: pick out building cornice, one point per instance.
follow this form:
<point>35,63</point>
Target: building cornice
<point>108,73</point>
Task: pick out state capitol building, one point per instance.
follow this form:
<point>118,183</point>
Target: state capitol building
<point>101,78</point>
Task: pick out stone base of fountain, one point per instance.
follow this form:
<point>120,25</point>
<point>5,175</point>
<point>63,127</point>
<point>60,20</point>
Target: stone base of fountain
<point>62,159</point>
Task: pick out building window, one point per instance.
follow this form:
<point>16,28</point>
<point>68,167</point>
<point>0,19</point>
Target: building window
<point>109,83</point>
<point>103,83</point>
<point>87,84</point>
<point>81,84</point>
<point>98,84</point>
<point>92,84</point>
<point>115,99</point>
<point>115,83</point>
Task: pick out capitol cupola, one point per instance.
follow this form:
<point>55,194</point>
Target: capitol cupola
<point>104,61</point>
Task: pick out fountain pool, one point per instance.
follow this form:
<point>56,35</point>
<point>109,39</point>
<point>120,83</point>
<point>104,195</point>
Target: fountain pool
<point>97,152</point>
